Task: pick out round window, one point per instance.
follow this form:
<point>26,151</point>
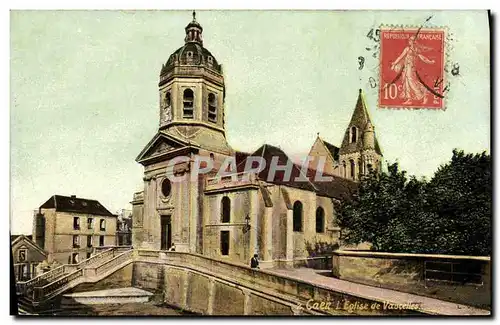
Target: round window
<point>166,187</point>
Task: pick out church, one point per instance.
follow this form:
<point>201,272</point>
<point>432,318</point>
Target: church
<point>247,212</point>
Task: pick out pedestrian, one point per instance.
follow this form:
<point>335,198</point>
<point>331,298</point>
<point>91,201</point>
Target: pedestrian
<point>254,262</point>
<point>172,248</point>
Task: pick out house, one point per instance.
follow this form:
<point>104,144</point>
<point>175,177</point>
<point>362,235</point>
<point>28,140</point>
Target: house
<point>27,256</point>
<point>68,228</point>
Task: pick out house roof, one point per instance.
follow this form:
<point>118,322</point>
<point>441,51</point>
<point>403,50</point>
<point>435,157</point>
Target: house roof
<point>76,205</point>
<point>27,240</point>
<point>14,237</point>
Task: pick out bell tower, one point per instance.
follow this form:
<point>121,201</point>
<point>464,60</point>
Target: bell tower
<point>360,151</point>
<point>192,94</point>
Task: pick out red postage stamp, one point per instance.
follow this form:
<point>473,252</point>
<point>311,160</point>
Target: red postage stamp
<point>412,63</point>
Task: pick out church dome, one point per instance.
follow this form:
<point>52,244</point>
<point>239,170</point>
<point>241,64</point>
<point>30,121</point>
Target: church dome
<point>192,53</point>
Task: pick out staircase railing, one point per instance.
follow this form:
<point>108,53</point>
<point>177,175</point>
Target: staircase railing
<point>23,287</point>
<point>85,268</point>
<point>50,276</point>
<point>48,290</point>
<point>103,268</point>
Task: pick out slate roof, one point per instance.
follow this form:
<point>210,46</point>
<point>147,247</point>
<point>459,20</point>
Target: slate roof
<point>338,188</point>
<point>359,119</point>
<point>76,205</point>
<point>334,150</point>
<point>14,237</point>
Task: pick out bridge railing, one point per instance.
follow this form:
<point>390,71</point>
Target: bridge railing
<point>239,273</point>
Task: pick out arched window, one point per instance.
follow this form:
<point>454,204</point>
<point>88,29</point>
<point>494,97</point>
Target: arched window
<point>297,216</point>
<point>353,169</point>
<point>188,100</point>
<point>320,220</point>
<point>212,108</point>
<point>354,135</point>
<point>226,209</point>
<point>167,99</point>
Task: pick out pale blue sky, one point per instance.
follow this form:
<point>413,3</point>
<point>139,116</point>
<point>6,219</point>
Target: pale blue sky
<point>84,98</point>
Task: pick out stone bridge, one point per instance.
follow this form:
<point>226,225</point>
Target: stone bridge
<point>202,285</point>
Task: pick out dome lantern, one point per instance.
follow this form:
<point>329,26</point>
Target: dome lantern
<point>194,32</point>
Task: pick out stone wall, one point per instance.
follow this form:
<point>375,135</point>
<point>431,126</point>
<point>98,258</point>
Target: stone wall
<point>406,272</point>
<point>208,286</point>
<point>120,279</point>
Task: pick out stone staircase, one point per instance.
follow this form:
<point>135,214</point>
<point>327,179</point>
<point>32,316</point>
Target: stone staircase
<point>41,295</point>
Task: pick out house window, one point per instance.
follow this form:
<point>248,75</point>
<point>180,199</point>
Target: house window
<point>24,273</point>
<point>76,223</point>
<point>21,255</point>
<point>354,135</point>
<point>167,99</point>
<point>76,241</point>
<point>344,166</point>
<point>102,224</point>
<point>74,258</point>
<point>226,209</point>
<point>224,242</point>
<point>297,216</point>
<point>320,220</point>
<point>353,169</point>
<point>89,241</point>
<point>212,108</point>
<point>101,240</point>
<point>188,101</point>
<point>90,223</point>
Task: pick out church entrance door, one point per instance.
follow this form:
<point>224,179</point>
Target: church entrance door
<point>166,232</point>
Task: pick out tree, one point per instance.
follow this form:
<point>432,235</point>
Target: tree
<point>460,192</point>
<point>450,214</point>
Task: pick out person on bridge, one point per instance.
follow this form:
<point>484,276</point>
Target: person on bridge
<point>254,262</point>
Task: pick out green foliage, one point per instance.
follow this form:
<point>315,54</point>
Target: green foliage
<point>450,214</point>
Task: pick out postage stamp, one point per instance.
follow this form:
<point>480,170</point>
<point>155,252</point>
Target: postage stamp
<point>412,68</point>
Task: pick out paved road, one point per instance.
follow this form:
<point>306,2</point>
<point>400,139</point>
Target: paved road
<point>427,305</point>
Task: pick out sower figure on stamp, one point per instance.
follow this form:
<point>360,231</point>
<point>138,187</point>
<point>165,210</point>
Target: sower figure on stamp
<point>413,89</point>
<point>254,262</point>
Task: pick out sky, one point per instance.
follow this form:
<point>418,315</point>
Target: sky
<point>84,92</point>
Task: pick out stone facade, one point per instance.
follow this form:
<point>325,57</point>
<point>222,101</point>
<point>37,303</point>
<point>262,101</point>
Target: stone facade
<point>55,229</point>
<point>243,214</point>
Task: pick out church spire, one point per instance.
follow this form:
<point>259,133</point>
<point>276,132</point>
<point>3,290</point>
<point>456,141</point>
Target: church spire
<point>194,31</point>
